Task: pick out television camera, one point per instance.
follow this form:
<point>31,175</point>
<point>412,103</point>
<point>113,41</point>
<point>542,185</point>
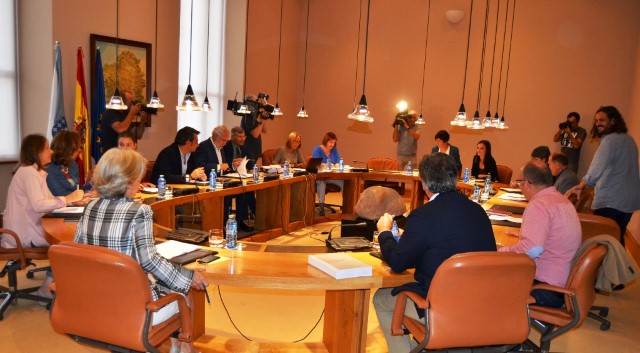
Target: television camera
<point>249,106</point>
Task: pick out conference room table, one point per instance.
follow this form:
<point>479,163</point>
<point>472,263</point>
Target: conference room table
<point>283,267</point>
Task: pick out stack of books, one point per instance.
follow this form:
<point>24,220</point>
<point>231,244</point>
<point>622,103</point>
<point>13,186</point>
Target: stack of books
<point>340,265</point>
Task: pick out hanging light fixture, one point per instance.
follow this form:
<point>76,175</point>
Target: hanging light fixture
<point>189,102</point>
<point>116,101</point>
<point>276,109</point>
<point>302,114</point>
<point>154,102</point>
<point>503,124</point>
<point>206,106</point>
<point>476,124</point>
<point>460,118</point>
<point>420,120</point>
<point>361,111</point>
<point>488,122</point>
<point>495,122</point>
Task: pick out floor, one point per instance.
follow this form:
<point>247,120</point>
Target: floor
<point>272,321</point>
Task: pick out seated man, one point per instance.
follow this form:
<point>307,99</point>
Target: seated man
<point>447,225</point>
<point>550,233</point>
<point>541,153</point>
<point>173,160</point>
<point>564,177</point>
<point>208,154</point>
<point>236,152</point>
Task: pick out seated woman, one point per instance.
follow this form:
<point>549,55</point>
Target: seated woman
<point>291,152</point>
<point>328,152</point>
<point>63,175</point>
<point>483,162</point>
<point>117,222</point>
<point>29,199</point>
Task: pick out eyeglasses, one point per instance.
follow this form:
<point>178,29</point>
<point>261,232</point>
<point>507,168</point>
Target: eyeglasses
<point>520,182</point>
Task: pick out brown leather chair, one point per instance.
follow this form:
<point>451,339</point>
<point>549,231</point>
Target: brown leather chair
<point>267,156</point>
<point>18,258</point>
<point>147,174</point>
<point>476,299</point>
<point>102,297</point>
<point>579,294</point>
<point>382,163</point>
<point>504,174</point>
<point>583,202</point>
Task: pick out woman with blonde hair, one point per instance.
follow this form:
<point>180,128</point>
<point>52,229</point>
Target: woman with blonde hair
<point>291,152</point>
<point>116,221</point>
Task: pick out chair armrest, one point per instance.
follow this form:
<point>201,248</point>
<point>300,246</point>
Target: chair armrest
<point>23,259</point>
<point>184,311</point>
<point>398,310</point>
<point>549,287</point>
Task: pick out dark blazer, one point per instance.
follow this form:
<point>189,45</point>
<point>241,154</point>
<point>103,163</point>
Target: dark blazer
<point>169,164</point>
<point>227,154</point>
<point>453,152</point>
<point>490,166</point>
<point>205,156</point>
<point>435,231</point>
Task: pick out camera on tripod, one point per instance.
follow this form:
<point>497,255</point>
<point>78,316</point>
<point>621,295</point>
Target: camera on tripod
<point>250,106</point>
<point>563,125</point>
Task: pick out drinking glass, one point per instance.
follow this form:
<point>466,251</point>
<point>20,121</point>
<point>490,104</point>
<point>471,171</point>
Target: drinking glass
<point>375,244</point>
<point>215,238</point>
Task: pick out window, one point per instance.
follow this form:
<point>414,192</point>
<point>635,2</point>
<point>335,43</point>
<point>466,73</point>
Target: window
<point>10,132</point>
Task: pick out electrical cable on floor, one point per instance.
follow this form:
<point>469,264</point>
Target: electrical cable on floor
<point>249,339</point>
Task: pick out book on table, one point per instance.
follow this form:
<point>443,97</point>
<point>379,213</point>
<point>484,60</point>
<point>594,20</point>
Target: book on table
<point>340,265</point>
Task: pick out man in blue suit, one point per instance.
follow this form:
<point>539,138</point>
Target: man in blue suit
<point>235,151</point>
<point>209,153</point>
<point>173,160</point>
<point>442,145</point>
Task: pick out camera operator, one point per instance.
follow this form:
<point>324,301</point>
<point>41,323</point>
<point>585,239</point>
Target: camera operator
<point>115,122</point>
<point>571,137</point>
<point>406,134</point>
<point>254,125</point>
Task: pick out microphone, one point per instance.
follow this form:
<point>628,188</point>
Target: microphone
<point>361,170</point>
<point>331,243</point>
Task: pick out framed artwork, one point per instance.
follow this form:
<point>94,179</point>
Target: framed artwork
<point>134,66</point>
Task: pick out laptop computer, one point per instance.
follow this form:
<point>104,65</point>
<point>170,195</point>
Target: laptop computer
<point>314,164</point>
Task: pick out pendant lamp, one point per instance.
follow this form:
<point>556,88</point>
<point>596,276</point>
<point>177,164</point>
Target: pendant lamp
<point>460,118</point>
<point>116,102</point>
<point>420,120</point>
<point>189,102</point>
<point>302,114</point>
<point>154,102</point>
<point>206,106</point>
<point>361,111</point>
<point>503,124</point>
<point>276,109</point>
<point>488,121</point>
<point>476,123</point>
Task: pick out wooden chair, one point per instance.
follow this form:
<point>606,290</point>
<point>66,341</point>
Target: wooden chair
<point>102,297</point>
<point>579,294</point>
<point>584,200</point>
<point>487,306</point>
<point>147,174</point>
<point>504,174</point>
<point>267,156</point>
<point>18,258</point>
<point>382,163</point>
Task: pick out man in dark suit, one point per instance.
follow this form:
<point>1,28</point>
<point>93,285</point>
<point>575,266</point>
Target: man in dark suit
<point>173,160</point>
<point>209,153</point>
<point>235,152</point>
<point>442,145</point>
<point>447,225</point>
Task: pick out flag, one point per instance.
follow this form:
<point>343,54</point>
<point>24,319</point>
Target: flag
<point>81,118</point>
<point>97,109</point>
<point>57,118</point>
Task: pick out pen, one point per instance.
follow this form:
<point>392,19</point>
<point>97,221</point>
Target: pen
<point>206,294</point>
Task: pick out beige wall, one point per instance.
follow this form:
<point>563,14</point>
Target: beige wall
<point>567,55</point>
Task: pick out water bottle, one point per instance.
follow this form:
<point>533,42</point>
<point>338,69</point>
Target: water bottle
<point>328,165</point>
<point>476,193</point>
<point>409,168</point>
<point>394,229</point>
<point>341,165</point>
<point>465,177</point>
<point>487,186</point>
<point>256,174</point>
<point>212,179</point>
<point>232,232</point>
<point>287,171</point>
<point>162,186</point>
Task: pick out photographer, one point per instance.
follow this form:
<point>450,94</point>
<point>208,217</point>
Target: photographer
<point>254,125</point>
<point>406,134</point>
<point>115,122</point>
<point>571,137</point>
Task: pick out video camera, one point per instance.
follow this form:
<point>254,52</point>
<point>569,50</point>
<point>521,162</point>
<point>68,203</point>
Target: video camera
<point>252,106</point>
<point>563,125</point>
<point>400,117</point>
<point>144,108</point>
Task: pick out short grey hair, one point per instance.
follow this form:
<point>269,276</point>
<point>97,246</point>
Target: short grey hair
<point>537,173</point>
<point>236,130</point>
<point>117,170</point>
<point>220,131</point>
<point>438,173</point>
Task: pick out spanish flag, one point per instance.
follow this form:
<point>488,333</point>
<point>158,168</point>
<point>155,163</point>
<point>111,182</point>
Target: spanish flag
<point>81,119</point>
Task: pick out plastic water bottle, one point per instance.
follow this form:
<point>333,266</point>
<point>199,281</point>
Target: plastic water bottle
<point>487,186</point>
<point>394,229</point>
<point>476,193</point>
<point>232,232</point>
<point>212,179</point>
<point>256,174</point>
<point>341,165</point>
<point>328,165</point>
<point>465,177</point>
<point>409,168</point>
<point>287,169</point>
<point>162,186</point>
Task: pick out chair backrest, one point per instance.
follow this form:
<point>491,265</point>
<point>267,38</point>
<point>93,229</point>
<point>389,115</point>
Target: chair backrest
<point>100,294</point>
<point>382,163</point>
<point>593,225</point>
<point>19,253</point>
<point>483,295</point>
<point>147,174</point>
<point>583,203</point>
<point>267,156</point>
<point>582,278</point>
<point>504,174</point>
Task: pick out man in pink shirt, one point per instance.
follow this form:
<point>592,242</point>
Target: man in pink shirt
<point>550,232</point>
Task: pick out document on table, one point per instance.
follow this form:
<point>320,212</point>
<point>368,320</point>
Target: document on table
<point>172,248</point>
<point>512,197</point>
<point>505,218</point>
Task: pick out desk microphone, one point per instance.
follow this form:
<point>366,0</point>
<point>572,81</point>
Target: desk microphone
<point>329,242</point>
<point>362,170</point>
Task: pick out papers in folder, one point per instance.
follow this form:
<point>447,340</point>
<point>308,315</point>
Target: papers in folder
<point>172,248</point>
<point>511,219</point>
<point>510,196</point>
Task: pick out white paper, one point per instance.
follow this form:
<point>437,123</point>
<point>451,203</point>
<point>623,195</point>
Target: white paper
<point>172,248</point>
<point>512,197</point>
<point>242,168</point>
<point>505,218</point>
<point>69,210</point>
